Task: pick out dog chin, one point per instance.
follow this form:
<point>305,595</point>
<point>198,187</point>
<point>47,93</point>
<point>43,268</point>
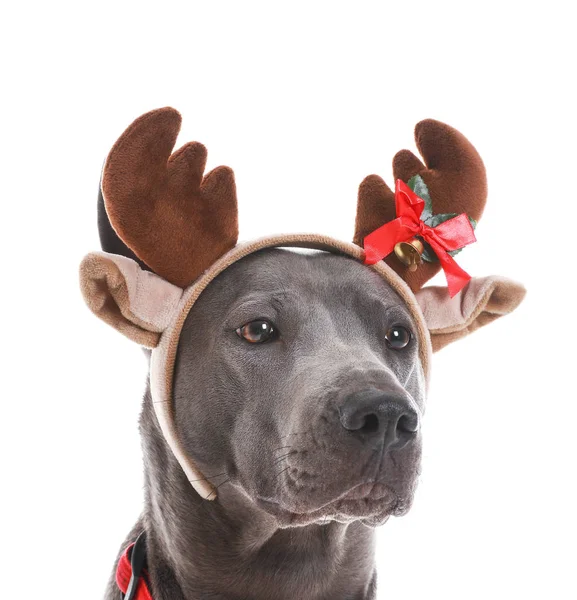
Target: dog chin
<point>371,509</point>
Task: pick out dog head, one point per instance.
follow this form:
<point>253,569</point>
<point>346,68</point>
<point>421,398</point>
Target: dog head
<point>309,391</point>
<point>300,378</point>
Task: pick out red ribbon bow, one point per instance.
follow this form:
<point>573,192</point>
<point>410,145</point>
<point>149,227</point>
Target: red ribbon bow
<point>450,235</point>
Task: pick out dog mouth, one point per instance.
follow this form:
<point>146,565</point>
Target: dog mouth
<point>367,491</point>
<point>371,502</point>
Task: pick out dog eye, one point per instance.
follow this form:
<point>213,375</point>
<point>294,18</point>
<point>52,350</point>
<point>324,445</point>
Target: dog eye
<point>257,332</point>
<point>398,337</point>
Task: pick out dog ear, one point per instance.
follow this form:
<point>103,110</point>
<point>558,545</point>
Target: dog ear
<point>136,302</point>
<point>483,300</point>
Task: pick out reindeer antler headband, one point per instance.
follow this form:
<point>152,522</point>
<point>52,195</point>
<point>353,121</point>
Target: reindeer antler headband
<point>177,220</point>
<point>175,229</point>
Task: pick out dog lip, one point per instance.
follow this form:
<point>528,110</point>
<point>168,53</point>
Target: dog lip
<point>343,508</point>
<point>363,497</point>
<point>366,491</point>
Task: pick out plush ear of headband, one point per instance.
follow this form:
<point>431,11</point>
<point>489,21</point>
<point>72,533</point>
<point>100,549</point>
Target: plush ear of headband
<point>483,300</point>
<point>135,302</point>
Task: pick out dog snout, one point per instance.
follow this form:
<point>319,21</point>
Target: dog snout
<point>373,414</point>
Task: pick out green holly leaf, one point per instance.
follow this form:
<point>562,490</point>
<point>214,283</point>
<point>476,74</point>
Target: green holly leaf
<point>420,188</point>
<point>428,253</point>
<point>435,220</point>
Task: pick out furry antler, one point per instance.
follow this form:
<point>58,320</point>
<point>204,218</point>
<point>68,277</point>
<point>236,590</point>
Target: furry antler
<point>160,205</point>
<point>454,174</point>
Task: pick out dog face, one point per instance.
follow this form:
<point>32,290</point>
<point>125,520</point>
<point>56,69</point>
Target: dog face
<point>298,381</point>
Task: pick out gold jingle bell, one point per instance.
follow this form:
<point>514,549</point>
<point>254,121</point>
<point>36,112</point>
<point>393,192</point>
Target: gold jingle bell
<point>409,253</point>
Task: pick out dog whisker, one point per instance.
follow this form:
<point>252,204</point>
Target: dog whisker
<point>204,502</point>
<point>221,484</point>
<point>277,449</point>
<point>280,458</point>
<point>279,474</point>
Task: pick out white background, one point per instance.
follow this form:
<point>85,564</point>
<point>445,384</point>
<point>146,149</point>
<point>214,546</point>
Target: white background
<point>302,100</point>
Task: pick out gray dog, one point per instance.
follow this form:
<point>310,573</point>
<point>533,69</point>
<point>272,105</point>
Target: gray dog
<point>295,394</point>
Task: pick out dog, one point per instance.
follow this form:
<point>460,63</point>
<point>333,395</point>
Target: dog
<point>298,387</point>
<point>311,433</point>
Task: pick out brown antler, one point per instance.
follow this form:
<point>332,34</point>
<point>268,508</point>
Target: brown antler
<point>454,174</point>
<point>160,205</point>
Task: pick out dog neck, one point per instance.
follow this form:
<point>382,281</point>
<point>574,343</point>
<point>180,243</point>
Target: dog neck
<point>230,548</point>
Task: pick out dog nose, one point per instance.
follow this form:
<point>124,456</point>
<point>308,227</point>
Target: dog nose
<point>372,414</point>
